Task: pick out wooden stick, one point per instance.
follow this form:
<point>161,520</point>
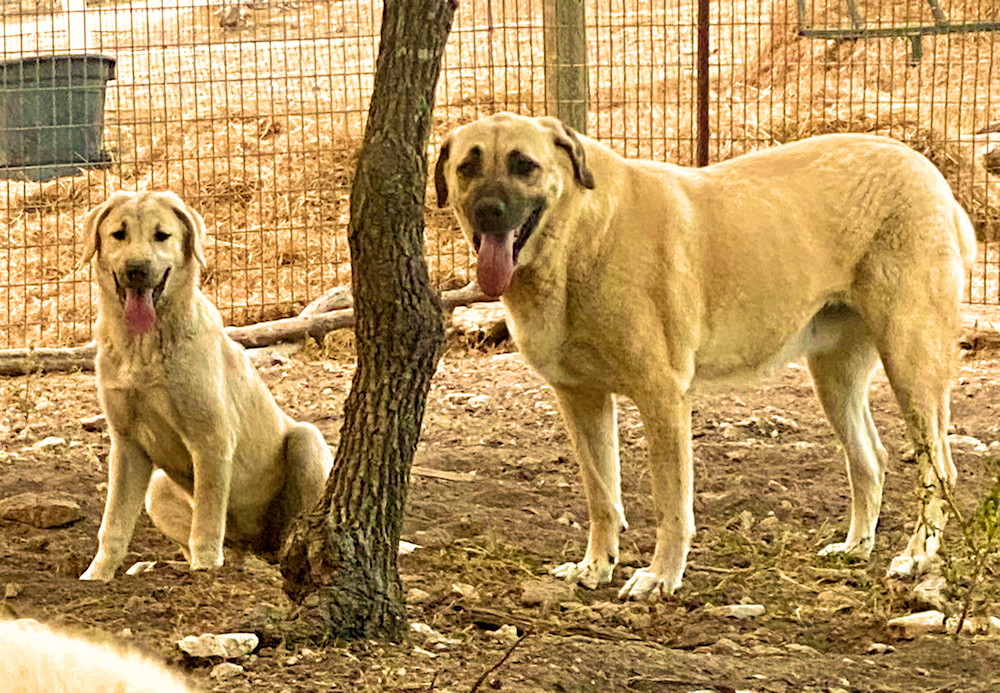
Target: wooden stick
<point>24,361</point>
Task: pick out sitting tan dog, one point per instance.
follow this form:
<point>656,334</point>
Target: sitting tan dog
<point>193,428</point>
<point>648,279</point>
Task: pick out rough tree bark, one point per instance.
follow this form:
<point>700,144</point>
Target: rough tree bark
<point>339,563</point>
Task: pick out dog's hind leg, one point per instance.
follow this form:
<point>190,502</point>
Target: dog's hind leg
<point>171,509</point>
<point>915,323</point>
<point>308,462</point>
<point>841,372</point>
<point>590,418</point>
<point>919,372</point>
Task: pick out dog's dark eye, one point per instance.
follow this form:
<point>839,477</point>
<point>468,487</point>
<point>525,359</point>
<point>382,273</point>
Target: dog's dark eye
<point>472,165</point>
<point>119,235</point>
<point>520,165</point>
<point>160,236</point>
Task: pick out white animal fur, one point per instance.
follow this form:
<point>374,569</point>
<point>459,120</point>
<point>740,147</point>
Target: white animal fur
<point>193,428</point>
<point>35,658</point>
<point>648,279</point>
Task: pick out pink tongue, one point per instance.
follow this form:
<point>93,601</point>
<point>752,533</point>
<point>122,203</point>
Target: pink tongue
<point>496,263</point>
<point>140,316</point>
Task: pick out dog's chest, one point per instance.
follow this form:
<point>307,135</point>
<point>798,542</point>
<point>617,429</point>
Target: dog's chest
<point>143,417</point>
<point>561,355</point>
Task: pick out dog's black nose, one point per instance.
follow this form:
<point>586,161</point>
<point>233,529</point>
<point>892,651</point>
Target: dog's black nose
<point>138,275</point>
<point>489,214</point>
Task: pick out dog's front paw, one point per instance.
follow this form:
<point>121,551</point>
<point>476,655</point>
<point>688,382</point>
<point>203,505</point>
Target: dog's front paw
<point>647,585</point>
<point>206,561</point>
<point>860,550</point>
<point>98,573</point>
<point>588,573</point>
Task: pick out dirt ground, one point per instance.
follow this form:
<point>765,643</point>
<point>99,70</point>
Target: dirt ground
<point>771,489</point>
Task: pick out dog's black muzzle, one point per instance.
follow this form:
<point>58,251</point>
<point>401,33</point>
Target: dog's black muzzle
<point>137,278</point>
<point>497,213</point>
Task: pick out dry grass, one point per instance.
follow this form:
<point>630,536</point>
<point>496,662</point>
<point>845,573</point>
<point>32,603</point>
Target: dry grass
<point>257,126</point>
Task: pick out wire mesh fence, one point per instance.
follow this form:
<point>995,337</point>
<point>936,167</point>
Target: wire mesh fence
<point>253,113</point>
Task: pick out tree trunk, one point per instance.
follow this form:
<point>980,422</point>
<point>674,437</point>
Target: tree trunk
<point>339,562</point>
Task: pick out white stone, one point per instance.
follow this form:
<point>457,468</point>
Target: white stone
<point>802,649</point>
<point>406,548</point>
<point>466,591</point>
<point>227,645</point>
<point>880,648</point>
<point>507,634</point>
<point>226,670</point>
<point>417,596</point>
<point>967,442</point>
<point>49,443</point>
<point>918,624</point>
<point>141,567</point>
<point>737,610</point>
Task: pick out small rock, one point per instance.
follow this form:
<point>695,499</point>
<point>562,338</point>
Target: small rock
<point>546,592</point>
<point>406,548</point>
<point>40,510</point>
<point>465,591</point>
<point>929,592</point>
<point>880,648</point>
<point>477,402</point>
<point>911,626</point>
<point>12,589</point>
<point>267,357</point>
<point>482,322</point>
<point>737,610</point>
<point>141,567</point>
<point>417,596</point>
<point>725,646</point>
<point>94,423</point>
<point>432,637</point>
<point>802,649</point>
<point>767,650</point>
<point>967,442</point>
<point>506,634</point>
<point>225,671</point>
<point>227,645</point>
<point>49,443</point>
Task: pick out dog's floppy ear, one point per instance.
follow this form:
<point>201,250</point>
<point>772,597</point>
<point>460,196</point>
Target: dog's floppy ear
<point>566,139</point>
<point>194,236</point>
<point>92,224</point>
<point>440,184</point>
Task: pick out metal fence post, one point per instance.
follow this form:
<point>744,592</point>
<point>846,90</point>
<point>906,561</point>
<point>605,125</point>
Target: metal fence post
<point>566,84</point>
<point>701,153</point>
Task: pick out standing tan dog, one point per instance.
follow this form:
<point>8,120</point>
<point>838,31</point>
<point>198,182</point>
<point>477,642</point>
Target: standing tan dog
<point>647,279</point>
<point>193,428</point>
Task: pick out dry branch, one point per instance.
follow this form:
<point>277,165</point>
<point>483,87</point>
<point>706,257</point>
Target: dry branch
<point>26,361</point>
<point>15,362</point>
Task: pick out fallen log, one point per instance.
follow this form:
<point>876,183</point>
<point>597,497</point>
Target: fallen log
<point>15,362</point>
<point>25,361</point>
